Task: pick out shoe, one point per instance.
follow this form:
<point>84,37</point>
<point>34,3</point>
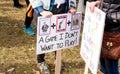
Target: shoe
<point>44,67</point>
<point>28,30</point>
<point>33,27</point>
<point>18,5</point>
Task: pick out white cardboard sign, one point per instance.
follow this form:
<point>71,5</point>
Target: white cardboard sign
<point>92,37</point>
<point>58,32</point>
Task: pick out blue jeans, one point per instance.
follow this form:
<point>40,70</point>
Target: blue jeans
<point>109,66</point>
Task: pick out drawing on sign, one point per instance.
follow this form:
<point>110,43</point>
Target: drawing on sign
<point>68,22</point>
<point>44,27</point>
<point>61,23</point>
<point>92,38</point>
<point>55,33</point>
<point>53,25</point>
<point>76,21</point>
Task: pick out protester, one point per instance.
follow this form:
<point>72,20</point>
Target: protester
<point>28,19</point>
<point>81,6</point>
<point>47,9</point>
<point>110,52</point>
<point>17,4</point>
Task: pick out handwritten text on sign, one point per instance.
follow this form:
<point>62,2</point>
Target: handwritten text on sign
<point>58,32</point>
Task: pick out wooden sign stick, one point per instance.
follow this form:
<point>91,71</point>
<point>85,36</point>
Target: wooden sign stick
<point>86,69</point>
<point>58,62</point>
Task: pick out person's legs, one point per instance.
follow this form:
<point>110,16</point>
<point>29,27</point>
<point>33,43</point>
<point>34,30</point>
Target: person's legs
<point>28,20</point>
<point>40,58</point>
<point>27,2</point>
<point>29,16</point>
<point>17,4</point>
<point>109,66</point>
<point>102,65</point>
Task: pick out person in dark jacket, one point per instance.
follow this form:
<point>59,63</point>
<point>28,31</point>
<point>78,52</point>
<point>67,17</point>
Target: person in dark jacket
<point>110,52</point>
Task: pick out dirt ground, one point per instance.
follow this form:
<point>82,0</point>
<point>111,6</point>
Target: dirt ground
<point>18,49</point>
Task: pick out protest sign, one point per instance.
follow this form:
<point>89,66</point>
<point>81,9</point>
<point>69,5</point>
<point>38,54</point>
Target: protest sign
<point>92,37</point>
<point>58,32</point>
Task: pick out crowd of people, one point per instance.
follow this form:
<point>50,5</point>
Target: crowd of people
<point>109,54</point>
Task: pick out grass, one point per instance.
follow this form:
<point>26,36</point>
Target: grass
<point>18,49</point>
